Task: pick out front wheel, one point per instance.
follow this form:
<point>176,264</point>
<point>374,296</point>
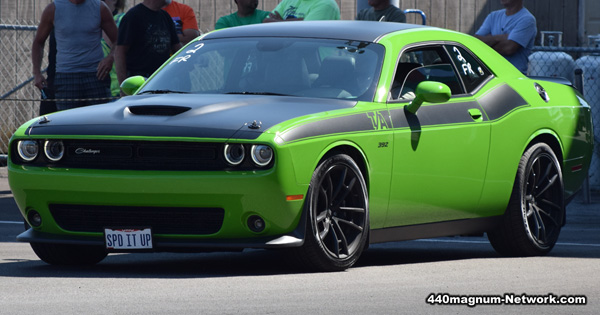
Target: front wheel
<point>536,210</point>
<point>63,254</point>
<point>337,209</point>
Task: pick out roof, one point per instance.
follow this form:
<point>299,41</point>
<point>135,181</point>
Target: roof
<point>368,31</point>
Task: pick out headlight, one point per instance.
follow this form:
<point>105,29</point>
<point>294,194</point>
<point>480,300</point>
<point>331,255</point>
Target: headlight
<point>234,153</point>
<point>28,150</point>
<point>54,150</point>
<point>262,154</point>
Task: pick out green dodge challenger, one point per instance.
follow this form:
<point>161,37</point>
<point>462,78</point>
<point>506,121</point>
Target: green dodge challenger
<point>319,138</point>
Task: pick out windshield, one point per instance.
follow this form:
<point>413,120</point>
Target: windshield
<point>278,66</point>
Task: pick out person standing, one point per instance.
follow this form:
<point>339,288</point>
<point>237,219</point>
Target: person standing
<point>245,15</point>
<point>382,11</point>
<point>511,32</point>
<point>147,38</point>
<point>82,71</point>
<point>48,104</point>
<point>116,7</point>
<point>185,21</point>
<point>304,10</point>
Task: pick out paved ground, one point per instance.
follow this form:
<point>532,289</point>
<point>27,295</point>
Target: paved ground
<point>389,278</point>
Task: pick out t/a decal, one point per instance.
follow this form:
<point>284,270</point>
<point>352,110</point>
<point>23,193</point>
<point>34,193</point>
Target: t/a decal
<point>378,120</point>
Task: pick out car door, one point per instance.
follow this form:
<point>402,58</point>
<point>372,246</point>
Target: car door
<point>441,151</point>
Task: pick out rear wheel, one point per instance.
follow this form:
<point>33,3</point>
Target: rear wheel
<point>62,254</point>
<point>536,210</point>
<point>338,216</point>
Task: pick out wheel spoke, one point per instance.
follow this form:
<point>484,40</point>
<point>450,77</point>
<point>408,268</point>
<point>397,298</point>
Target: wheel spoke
<point>321,216</point>
<point>349,223</point>
<point>551,182</point>
<point>546,172</point>
<point>540,228</point>
<point>533,177</point>
<point>342,238</point>
<point>325,231</point>
<point>352,209</point>
<point>545,214</point>
<point>339,185</point>
<point>347,190</point>
<point>335,242</point>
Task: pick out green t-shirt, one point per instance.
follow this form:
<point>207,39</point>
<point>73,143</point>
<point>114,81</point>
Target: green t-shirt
<point>309,9</point>
<point>233,19</point>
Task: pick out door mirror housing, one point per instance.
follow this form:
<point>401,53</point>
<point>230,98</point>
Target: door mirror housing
<point>429,91</point>
<point>132,84</point>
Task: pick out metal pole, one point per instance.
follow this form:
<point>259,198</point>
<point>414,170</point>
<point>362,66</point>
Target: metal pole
<point>587,196</point>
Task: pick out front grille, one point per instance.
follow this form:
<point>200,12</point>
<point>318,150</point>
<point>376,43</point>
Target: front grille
<point>142,155</point>
<point>162,220</point>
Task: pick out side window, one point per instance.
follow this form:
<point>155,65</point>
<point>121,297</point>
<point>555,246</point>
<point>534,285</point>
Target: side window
<point>471,71</point>
<point>430,63</point>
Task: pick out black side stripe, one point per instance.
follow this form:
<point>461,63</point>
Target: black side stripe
<point>344,124</point>
<point>493,105</point>
<point>431,115</point>
<point>500,101</point>
<point>441,114</point>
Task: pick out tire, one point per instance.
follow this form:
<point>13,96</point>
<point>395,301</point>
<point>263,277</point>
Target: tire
<point>337,209</point>
<point>62,254</point>
<point>536,210</point>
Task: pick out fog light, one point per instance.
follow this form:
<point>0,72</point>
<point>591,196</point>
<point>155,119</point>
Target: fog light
<point>234,153</point>
<point>34,218</point>
<point>54,150</point>
<point>28,150</point>
<point>256,224</point>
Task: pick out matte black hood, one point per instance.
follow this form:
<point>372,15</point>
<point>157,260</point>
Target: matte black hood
<point>184,115</point>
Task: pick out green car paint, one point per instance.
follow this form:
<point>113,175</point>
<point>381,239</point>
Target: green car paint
<point>427,160</point>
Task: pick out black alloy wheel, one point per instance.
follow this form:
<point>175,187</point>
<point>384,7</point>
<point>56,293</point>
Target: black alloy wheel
<point>338,216</point>
<point>536,211</point>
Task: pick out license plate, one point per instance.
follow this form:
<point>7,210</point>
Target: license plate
<point>128,239</point>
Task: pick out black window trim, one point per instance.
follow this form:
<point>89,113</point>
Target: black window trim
<point>420,45</point>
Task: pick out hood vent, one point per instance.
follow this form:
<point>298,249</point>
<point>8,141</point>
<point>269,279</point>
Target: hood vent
<point>157,110</point>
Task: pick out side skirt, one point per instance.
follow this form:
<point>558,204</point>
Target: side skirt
<point>430,230</point>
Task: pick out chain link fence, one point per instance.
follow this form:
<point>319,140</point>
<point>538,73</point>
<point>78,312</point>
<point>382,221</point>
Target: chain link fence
<point>20,100</point>
<point>18,96</point>
<point>553,61</point>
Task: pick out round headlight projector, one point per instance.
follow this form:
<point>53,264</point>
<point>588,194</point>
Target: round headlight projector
<point>54,150</point>
<point>28,150</point>
<point>262,154</point>
<point>234,153</point>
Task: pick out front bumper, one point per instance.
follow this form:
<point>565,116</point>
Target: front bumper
<point>239,194</point>
<point>164,244</point>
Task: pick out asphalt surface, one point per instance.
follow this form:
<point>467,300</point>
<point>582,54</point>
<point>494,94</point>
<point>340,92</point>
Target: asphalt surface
<point>389,278</point>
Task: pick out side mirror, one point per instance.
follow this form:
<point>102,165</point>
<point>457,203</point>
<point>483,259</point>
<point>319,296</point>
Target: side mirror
<point>429,91</point>
<point>132,84</point>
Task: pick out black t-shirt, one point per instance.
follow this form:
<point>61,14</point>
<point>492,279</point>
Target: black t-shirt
<point>150,36</point>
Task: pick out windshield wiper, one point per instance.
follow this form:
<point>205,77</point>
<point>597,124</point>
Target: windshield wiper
<point>162,92</point>
<point>258,93</point>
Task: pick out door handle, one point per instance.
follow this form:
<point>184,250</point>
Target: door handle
<point>476,114</point>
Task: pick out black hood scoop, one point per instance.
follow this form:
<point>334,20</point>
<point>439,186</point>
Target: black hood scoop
<point>157,110</point>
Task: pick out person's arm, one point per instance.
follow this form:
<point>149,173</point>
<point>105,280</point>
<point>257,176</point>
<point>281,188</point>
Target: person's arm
<point>120,53</point>
<point>109,28</point>
<point>190,28</point>
<point>188,35</point>
<point>273,17</point>
<point>323,12</point>
<point>37,48</point>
